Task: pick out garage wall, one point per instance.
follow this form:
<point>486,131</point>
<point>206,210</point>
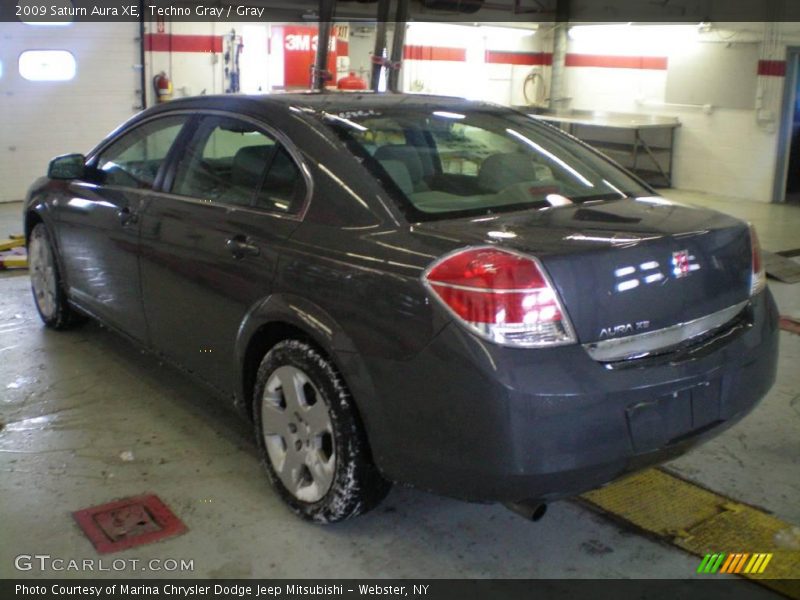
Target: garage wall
<point>487,63</point>
<point>275,56</point>
<point>41,119</point>
<point>720,150</point>
<point>724,151</point>
<point>190,54</point>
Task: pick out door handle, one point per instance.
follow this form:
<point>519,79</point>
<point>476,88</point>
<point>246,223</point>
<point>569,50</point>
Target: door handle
<point>239,246</point>
<point>127,216</point>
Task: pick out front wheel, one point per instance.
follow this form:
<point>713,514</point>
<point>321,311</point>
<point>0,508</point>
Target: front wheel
<point>310,437</point>
<point>46,283</point>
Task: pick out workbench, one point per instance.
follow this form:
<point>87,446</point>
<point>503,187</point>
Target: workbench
<point>643,144</point>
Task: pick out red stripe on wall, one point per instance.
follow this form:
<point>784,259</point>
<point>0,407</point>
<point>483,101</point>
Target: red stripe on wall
<point>658,63</point>
<point>774,68</point>
<point>165,42</point>
<point>519,58</point>
<point>434,53</point>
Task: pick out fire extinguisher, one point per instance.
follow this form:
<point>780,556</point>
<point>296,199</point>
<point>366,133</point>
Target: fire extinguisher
<point>351,82</point>
<point>163,87</point>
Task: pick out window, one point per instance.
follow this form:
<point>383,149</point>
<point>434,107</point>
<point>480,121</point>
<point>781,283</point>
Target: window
<point>47,65</point>
<point>463,148</point>
<point>233,162</point>
<point>476,161</point>
<point>135,158</point>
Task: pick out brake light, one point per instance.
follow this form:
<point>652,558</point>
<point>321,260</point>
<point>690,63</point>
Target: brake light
<point>502,296</point>
<point>758,278</point>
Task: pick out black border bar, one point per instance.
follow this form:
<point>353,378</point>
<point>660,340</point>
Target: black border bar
<point>540,11</point>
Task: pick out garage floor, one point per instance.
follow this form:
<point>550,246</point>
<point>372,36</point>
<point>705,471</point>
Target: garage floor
<point>71,405</point>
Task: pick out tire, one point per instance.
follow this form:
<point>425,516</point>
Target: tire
<point>311,442</point>
<point>46,283</point>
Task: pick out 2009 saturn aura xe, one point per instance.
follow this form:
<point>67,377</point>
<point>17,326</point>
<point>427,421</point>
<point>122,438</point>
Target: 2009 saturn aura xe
<point>417,289</point>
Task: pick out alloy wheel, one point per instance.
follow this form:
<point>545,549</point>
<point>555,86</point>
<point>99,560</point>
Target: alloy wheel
<point>298,434</point>
<point>41,264</point>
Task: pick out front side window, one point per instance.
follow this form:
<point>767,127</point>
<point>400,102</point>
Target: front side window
<point>233,162</point>
<point>135,158</point>
<point>477,161</point>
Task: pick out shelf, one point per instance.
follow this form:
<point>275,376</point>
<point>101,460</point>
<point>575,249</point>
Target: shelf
<point>652,177</point>
<point>623,147</point>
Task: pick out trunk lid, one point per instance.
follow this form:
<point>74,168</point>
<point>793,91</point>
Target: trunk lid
<point>627,266</point>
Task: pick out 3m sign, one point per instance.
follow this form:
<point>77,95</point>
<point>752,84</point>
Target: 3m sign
<point>304,42</point>
<point>742,562</point>
<point>299,47</point>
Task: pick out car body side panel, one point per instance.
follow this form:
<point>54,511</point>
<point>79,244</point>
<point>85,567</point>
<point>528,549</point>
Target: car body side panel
<point>98,232</point>
<point>195,292</point>
<point>317,324</point>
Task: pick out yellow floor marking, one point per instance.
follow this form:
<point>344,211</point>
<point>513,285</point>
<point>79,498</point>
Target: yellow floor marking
<point>701,522</point>
<point>14,242</point>
<point>13,261</point>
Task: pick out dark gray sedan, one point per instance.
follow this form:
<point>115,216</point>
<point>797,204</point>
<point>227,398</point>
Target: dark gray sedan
<point>417,289</point>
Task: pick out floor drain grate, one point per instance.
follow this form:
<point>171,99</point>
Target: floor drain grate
<point>127,523</point>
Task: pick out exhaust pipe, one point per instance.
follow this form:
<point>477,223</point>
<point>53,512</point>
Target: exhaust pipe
<point>528,509</point>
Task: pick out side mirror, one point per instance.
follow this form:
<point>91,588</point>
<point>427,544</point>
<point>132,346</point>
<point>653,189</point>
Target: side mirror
<point>67,166</point>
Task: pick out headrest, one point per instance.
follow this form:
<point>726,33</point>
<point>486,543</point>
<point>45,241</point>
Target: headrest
<point>499,171</point>
<point>282,172</point>
<point>408,155</point>
<point>398,171</point>
<point>248,165</point>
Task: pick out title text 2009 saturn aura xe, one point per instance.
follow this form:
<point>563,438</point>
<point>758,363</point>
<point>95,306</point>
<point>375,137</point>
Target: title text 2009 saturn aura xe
<point>418,289</point>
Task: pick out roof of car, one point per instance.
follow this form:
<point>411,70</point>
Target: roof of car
<point>338,101</point>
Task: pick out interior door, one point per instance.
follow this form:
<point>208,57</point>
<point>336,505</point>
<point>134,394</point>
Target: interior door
<point>210,245</point>
<point>99,224</point>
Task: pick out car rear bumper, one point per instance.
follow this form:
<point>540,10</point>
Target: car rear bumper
<point>474,420</point>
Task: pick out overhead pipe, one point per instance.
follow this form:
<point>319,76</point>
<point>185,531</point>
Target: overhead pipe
<point>142,56</point>
<point>558,72</point>
<point>378,58</point>
<point>320,74</point>
<point>398,43</point>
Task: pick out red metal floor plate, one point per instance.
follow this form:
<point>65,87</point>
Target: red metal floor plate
<point>127,523</point>
<point>789,324</point>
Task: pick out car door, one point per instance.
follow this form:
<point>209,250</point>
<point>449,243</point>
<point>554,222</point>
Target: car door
<point>98,223</point>
<point>211,240</point>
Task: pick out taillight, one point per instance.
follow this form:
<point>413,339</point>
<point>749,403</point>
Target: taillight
<point>758,278</point>
<point>502,296</point>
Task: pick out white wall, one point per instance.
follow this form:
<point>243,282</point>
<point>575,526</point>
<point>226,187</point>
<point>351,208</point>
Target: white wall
<point>39,120</point>
<point>730,152</point>
<point>473,77</point>
<point>725,151</point>
<point>721,151</point>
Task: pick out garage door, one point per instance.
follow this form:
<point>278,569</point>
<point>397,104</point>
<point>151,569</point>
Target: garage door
<point>61,101</point>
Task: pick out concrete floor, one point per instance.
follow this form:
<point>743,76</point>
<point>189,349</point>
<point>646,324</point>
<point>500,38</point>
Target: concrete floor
<point>72,402</point>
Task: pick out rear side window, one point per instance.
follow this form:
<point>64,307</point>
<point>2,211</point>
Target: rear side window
<point>233,162</point>
<point>135,158</point>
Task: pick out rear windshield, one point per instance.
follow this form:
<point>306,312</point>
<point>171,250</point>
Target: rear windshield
<point>480,161</point>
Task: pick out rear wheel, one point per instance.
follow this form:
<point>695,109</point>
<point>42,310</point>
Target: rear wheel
<point>311,439</point>
<point>46,283</point>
